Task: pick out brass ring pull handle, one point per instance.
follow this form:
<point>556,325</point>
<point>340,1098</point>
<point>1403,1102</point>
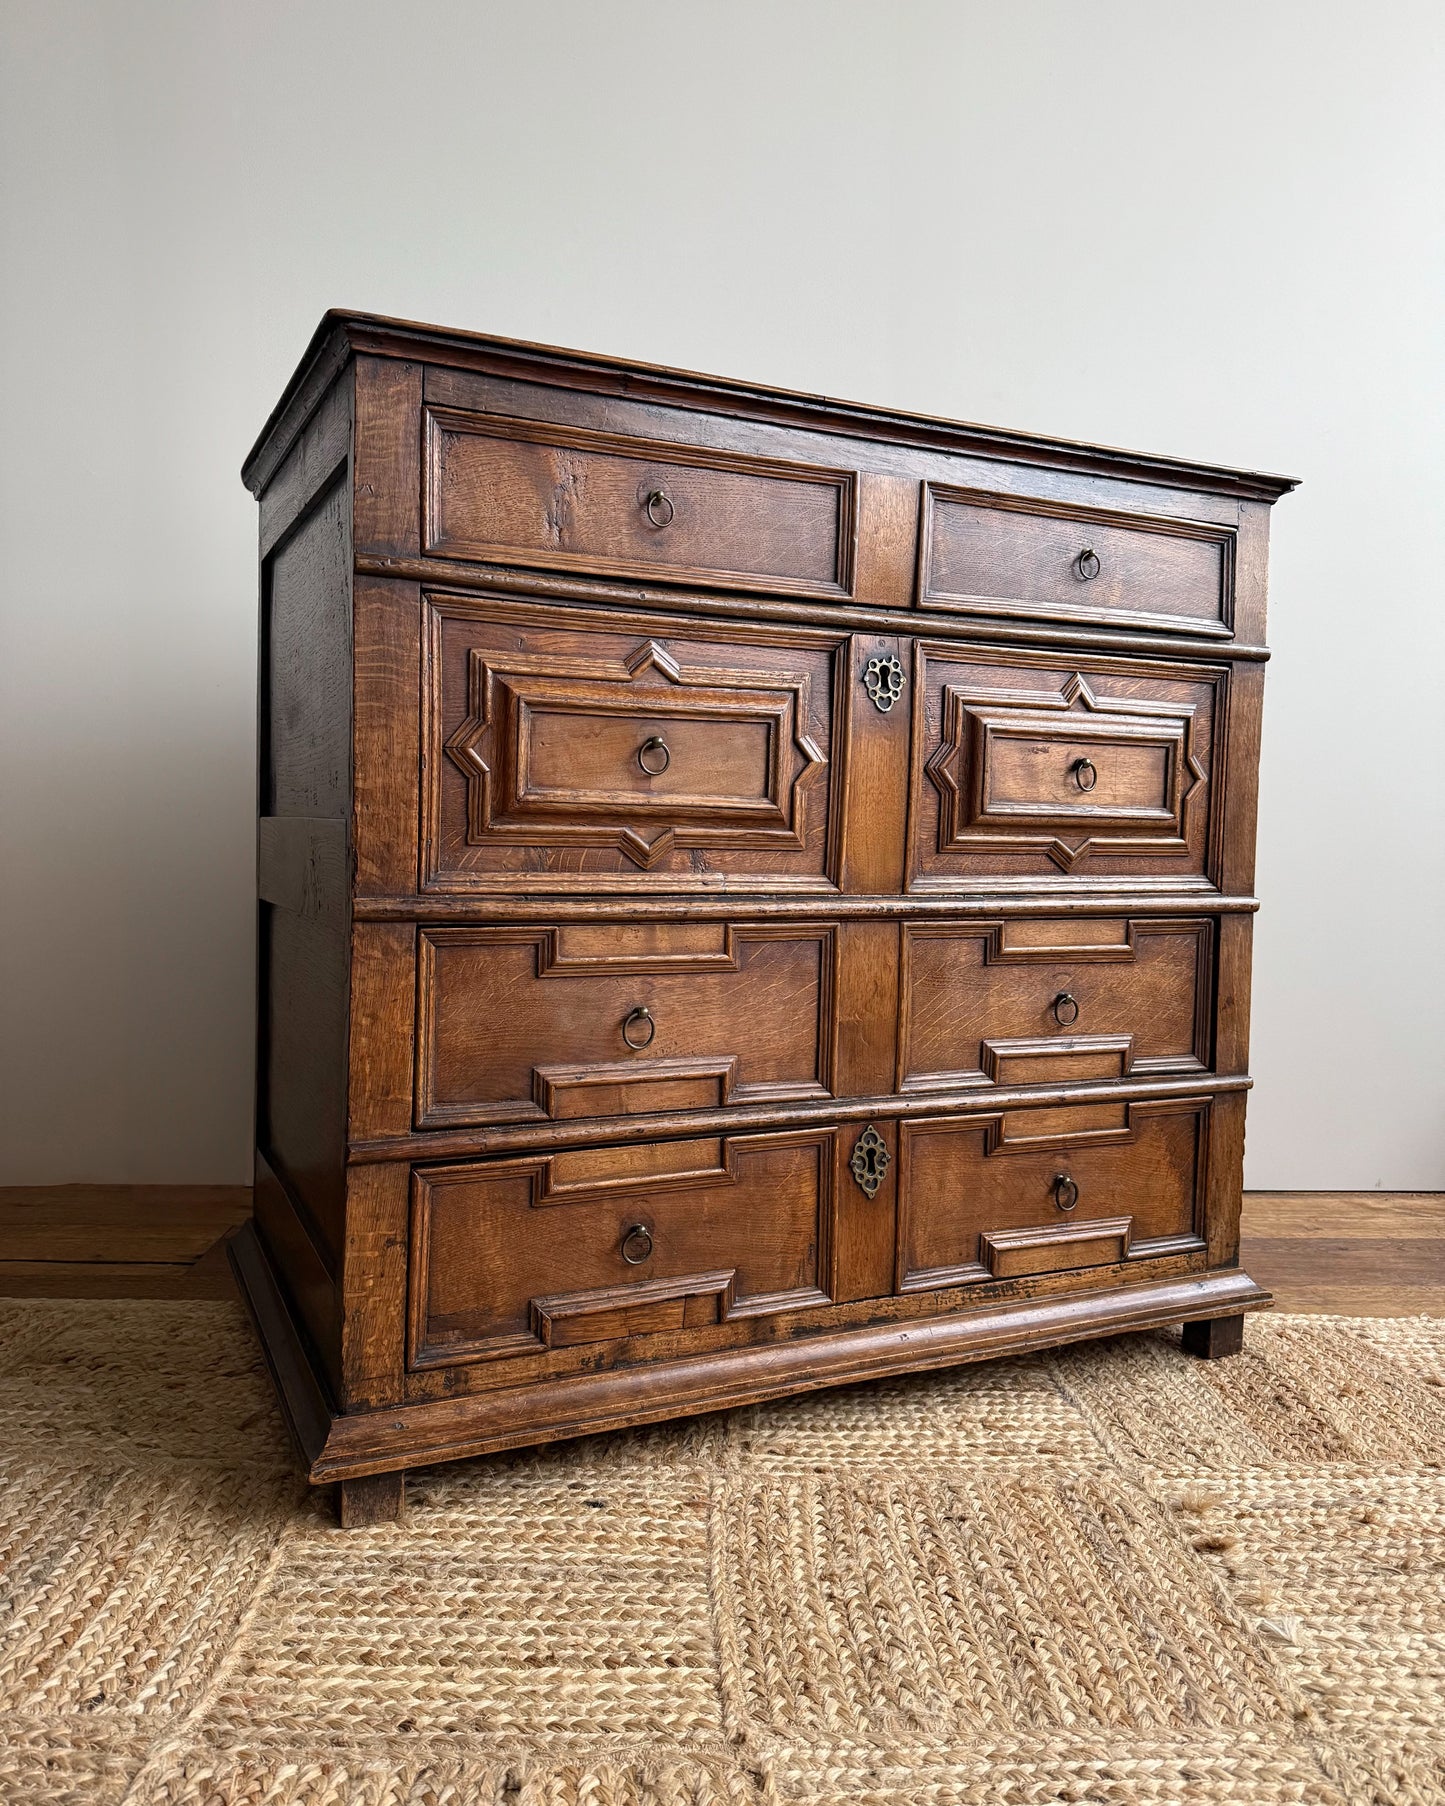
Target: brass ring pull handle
<point>639,1018</point>
<point>658,507</point>
<point>1086,565</point>
<point>1066,1009</point>
<point>636,1244</point>
<point>1085,773</point>
<point>657,750</point>
<point>1066,1192</point>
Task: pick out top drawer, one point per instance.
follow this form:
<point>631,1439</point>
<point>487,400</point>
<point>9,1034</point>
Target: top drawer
<point>566,498</point>
<point>982,553</point>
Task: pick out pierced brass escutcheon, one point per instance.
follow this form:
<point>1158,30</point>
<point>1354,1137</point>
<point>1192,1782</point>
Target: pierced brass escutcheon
<point>883,680</point>
<point>870,1161</point>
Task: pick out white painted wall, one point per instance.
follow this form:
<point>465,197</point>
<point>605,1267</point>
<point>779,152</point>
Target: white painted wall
<point>1214,230</point>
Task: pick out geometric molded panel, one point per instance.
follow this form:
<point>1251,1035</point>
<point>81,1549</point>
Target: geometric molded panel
<point>1038,771</point>
<point>975,1192</point>
<point>503,1251</point>
<point>1056,1248</point>
<point>551,754</point>
<point>519,1022</point>
<point>589,757</point>
<point>1039,1000</point>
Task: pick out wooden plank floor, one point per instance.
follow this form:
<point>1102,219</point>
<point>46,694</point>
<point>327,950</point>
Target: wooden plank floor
<point>1365,1254</point>
<point>118,1241</point>
<point>1350,1253</point>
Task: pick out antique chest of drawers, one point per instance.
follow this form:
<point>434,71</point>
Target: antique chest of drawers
<point>755,894</point>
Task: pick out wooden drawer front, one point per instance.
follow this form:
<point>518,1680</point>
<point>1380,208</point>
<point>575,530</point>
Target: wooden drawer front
<point>565,498</point>
<point>1041,1001</point>
<point>518,1256</point>
<point>595,755</point>
<point>610,1018</point>
<point>1036,771</point>
<point>982,1197</point>
<point>1005,555</point>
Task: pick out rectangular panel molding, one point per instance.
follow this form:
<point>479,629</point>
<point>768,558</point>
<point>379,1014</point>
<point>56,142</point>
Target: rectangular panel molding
<point>563,497</point>
<point>1006,555</point>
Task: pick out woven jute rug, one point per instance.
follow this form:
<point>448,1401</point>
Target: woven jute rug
<point>1104,1574</point>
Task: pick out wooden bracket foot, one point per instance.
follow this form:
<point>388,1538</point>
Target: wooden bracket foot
<point>372,1499</point>
<point>1212,1338</point>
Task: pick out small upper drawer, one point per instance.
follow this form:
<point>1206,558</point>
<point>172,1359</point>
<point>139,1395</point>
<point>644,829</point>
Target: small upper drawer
<point>1049,1189</point>
<point>982,553</point>
<point>1039,1000</point>
<point>566,498</point>
<point>615,1018</point>
<point>600,751</point>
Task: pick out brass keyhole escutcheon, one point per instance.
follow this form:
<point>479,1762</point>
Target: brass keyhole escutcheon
<point>1066,1191</point>
<point>636,1244</point>
<point>883,680</point>
<point>870,1161</point>
<point>638,1028</point>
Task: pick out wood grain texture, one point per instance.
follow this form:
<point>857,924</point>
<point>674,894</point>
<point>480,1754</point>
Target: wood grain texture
<point>387,750</point>
<point>170,1224</point>
<point>1214,1338</point>
<point>387,457</point>
<point>371,1499</point>
<point>306,666</point>
<point>527,492</point>
<point>991,554</point>
<point>316,460</point>
<point>371,1301</point>
<point>520,1022</point>
<point>1373,1215</point>
<point>614,753</point>
<point>118,1241</point>
<point>965,1179</point>
<point>483,1423</point>
<point>451,573</point>
<point>733,967</point>
<point>529,1136</point>
<point>1010,1002</point>
<point>489,1242</point>
<point>1361,1254</point>
<point>1030,772</point>
<point>1316,1251</point>
<point>382,1028</point>
<point>206,1277</point>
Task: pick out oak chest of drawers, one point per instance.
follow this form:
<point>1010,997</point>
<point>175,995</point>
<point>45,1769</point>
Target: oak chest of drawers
<point>755,894</point>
